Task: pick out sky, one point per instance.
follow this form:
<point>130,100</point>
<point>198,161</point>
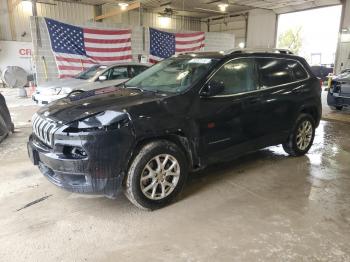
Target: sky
<point>320,29</point>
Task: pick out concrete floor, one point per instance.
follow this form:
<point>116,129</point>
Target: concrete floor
<point>265,206</point>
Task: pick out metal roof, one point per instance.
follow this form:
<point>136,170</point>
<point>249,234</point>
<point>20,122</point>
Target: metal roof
<point>208,8</point>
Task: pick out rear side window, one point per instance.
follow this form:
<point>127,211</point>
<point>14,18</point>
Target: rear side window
<point>299,72</point>
<point>274,72</point>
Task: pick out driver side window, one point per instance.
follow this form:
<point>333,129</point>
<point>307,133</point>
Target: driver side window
<point>118,73</point>
<point>237,76</point>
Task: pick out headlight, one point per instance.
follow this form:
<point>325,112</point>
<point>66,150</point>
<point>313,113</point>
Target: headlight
<point>66,90</point>
<point>50,91</point>
<point>106,120</point>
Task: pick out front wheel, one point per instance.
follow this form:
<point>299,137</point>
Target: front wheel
<point>156,175</point>
<point>301,137</point>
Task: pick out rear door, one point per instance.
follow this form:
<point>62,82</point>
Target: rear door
<point>282,88</point>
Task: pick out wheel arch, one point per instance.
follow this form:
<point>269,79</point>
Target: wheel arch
<point>178,138</point>
<point>313,111</point>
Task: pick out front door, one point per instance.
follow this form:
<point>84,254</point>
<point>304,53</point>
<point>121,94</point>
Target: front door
<point>231,118</point>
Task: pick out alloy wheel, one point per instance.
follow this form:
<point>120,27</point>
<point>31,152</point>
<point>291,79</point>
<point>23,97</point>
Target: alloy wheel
<point>304,135</point>
<point>160,177</point>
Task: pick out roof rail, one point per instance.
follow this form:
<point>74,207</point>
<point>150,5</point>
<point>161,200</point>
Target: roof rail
<point>259,50</point>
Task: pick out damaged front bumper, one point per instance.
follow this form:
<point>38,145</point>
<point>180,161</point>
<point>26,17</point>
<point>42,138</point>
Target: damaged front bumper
<point>99,172</point>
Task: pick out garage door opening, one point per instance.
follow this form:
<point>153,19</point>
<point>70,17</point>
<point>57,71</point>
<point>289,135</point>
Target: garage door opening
<point>312,34</point>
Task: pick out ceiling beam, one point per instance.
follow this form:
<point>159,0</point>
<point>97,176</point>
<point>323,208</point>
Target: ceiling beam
<point>134,5</point>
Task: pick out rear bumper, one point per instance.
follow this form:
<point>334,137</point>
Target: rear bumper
<point>73,175</point>
<point>334,100</point>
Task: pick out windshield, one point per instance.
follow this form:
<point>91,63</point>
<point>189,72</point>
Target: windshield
<point>171,75</point>
<point>91,72</point>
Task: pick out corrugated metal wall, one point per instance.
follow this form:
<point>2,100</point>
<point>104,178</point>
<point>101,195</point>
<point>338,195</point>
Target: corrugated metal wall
<point>76,13</point>
<point>69,12</point>
<point>45,64</point>
<point>150,19</point>
<point>5,30</point>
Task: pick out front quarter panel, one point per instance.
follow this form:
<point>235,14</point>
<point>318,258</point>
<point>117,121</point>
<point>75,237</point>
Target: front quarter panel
<point>165,118</point>
<point>108,152</point>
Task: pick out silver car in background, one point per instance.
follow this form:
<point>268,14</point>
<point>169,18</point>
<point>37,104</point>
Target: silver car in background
<point>97,76</point>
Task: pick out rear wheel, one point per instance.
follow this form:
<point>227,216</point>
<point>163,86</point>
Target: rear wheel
<point>302,136</point>
<point>156,175</point>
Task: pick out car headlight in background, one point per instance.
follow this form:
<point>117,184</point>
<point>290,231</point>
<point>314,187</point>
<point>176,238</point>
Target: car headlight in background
<point>65,90</point>
<point>50,91</point>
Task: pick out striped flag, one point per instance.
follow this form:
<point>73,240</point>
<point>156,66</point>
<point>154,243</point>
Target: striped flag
<point>76,48</point>
<point>164,44</point>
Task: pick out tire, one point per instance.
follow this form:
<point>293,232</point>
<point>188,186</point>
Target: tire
<point>339,107</point>
<point>292,147</point>
<point>160,164</point>
<point>3,129</point>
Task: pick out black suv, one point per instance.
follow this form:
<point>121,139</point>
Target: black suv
<point>6,125</point>
<point>178,116</point>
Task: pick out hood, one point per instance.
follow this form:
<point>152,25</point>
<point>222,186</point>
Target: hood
<point>344,77</point>
<point>62,83</point>
<point>95,101</point>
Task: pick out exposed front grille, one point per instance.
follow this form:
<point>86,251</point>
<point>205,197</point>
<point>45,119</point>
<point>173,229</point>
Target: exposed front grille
<point>44,129</point>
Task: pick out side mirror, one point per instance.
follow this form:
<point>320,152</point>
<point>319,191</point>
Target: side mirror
<point>102,78</point>
<point>213,88</point>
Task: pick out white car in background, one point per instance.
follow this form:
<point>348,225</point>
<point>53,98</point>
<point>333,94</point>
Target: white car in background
<point>97,76</point>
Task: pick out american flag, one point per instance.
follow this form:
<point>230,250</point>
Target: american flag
<point>77,48</point>
<point>164,44</point>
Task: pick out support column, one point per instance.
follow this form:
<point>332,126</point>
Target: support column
<point>342,60</point>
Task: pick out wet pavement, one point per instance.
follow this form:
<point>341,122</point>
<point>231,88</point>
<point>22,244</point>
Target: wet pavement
<point>265,206</point>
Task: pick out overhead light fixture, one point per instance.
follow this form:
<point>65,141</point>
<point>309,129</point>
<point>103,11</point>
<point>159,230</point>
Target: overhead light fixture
<point>222,7</point>
<point>164,21</point>
<point>27,7</point>
<point>123,6</point>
